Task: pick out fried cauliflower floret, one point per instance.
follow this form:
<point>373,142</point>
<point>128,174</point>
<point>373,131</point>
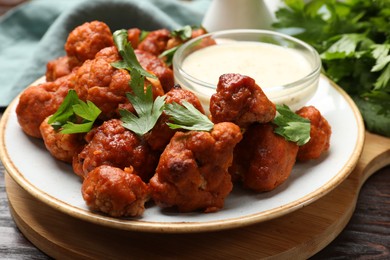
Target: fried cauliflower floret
<point>240,100</point>
<point>57,68</point>
<point>320,132</point>
<point>133,36</point>
<point>155,42</point>
<point>61,146</point>
<point>263,160</point>
<point>38,102</point>
<point>82,44</point>
<point>112,144</point>
<point>159,137</point>
<point>115,192</point>
<point>152,63</point>
<point>192,173</point>
<point>86,40</point>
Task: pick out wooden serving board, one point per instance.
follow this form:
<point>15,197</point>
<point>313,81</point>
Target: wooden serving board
<point>300,234</point>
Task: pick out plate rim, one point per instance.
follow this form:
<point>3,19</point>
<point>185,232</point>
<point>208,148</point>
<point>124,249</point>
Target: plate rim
<point>183,226</point>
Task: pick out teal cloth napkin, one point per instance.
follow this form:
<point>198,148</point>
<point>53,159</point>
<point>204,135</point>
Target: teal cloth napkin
<point>35,32</point>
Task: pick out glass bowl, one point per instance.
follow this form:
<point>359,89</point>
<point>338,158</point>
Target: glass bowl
<point>287,69</point>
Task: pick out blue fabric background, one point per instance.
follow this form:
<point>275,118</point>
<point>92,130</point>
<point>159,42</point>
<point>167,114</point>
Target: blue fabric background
<point>35,32</point>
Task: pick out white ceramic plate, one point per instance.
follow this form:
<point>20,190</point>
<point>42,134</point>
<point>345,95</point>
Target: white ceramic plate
<point>55,184</point>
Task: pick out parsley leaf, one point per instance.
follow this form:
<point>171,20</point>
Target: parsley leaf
<point>169,55</point>
<point>291,126</point>
<point>184,33</point>
<point>148,111</point>
<point>129,59</point>
<point>187,117</point>
<point>65,111</point>
<point>72,109</point>
<point>143,35</point>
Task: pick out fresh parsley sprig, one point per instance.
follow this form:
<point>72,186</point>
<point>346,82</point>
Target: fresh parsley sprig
<point>129,59</point>
<point>71,111</point>
<point>187,117</point>
<point>291,126</point>
<point>148,111</point>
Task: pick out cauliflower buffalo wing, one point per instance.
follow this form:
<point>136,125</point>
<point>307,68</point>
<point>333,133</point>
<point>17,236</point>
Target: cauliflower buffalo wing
<point>240,100</point>
<point>61,146</point>
<point>320,132</point>
<point>116,192</point>
<point>263,160</point>
<point>82,44</point>
<point>112,144</point>
<point>192,173</point>
<point>57,68</point>
<point>158,67</point>
<point>86,40</point>
<point>155,42</point>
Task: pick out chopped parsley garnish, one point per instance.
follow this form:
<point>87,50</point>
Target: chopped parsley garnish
<point>291,126</point>
<point>187,117</point>
<point>129,59</point>
<point>148,111</point>
<point>74,116</point>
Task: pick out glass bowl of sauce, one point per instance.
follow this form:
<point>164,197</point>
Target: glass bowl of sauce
<point>287,69</point>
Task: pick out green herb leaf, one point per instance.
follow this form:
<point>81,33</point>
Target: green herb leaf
<point>291,126</point>
<point>143,35</point>
<point>184,33</point>
<point>88,111</point>
<point>129,59</point>
<point>71,110</point>
<point>345,47</point>
<point>187,117</point>
<point>65,111</point>
<point>169,55</point>
<point>72,128</point>
<point>148,111</point>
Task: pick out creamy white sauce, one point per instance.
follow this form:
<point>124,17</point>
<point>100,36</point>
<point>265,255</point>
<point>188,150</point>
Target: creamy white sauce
<point>270,65</point>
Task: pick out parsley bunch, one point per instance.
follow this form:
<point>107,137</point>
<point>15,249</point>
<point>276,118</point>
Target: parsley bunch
<point>353,39</point>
